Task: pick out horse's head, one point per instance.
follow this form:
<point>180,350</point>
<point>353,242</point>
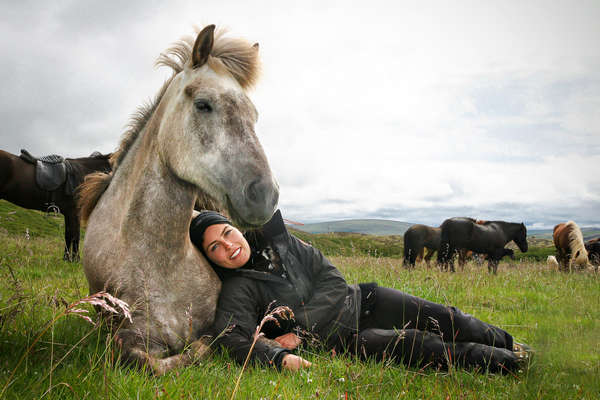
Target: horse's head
<point>580,258</point>
<point>520,238</point>
<point>206,134</point>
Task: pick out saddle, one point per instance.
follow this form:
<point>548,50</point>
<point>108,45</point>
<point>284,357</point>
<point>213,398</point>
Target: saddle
<point>51,171</point>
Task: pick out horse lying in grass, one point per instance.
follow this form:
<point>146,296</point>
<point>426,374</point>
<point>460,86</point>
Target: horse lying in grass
<point>488,237</point>
<point>194,146</point>
<point>570,249</point>
<point>49,184</point>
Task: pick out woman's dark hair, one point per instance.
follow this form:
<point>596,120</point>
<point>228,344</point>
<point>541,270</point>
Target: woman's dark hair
<point>202,221</point>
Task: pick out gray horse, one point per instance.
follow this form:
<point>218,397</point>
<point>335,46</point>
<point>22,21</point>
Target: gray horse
<point>193,147</point>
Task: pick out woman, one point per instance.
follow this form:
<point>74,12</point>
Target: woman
<point>271,267</point>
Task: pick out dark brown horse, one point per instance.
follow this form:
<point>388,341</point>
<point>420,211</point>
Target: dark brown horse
<point>593,248</point>
<point>416,239</point>
<point>488,238</point>
<point>20,185</point>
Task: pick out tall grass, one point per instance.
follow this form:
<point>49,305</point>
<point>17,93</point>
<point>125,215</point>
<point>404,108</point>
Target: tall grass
<point>556,313</point>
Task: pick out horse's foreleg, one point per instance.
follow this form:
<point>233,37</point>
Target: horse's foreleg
<point>157,365</point>
<point>75,232</point>
<point>68,235</point>
<point>71,237</point>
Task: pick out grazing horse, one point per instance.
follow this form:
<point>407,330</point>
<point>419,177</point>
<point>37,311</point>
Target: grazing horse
<point>487,238</point>
<point>22,183</point>
<point>418,237</point>
<point>193,147</point>
<point>593,248</point>
<point>570,248</point>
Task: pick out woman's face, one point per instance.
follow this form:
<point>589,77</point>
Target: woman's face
<point>226,246</point>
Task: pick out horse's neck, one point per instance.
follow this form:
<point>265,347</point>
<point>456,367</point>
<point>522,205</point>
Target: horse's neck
<point>156,207</point>
<point>510,229</point>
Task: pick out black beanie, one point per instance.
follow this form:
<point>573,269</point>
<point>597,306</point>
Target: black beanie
<point>203,221</point>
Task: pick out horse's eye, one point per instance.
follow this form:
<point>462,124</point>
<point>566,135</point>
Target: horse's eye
<point>203,106</point>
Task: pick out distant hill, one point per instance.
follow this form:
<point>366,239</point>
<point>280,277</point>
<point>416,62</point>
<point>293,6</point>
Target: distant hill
<point>379,227</point>
<point>383,227</point>
<point>588,233</point>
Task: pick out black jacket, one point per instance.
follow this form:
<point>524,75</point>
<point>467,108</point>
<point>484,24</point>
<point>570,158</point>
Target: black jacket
<point>322,302</point>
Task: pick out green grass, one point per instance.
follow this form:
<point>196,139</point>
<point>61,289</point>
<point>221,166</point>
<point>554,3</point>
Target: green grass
<point>558,314</point>
<point>19,221</point>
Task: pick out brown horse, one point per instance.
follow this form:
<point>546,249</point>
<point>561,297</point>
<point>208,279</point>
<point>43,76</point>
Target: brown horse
<point>416,239</point>
<point>194,146</point>
<point>18,184</point>
<point>570,248</point>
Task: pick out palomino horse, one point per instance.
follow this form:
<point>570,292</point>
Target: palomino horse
<point>194,146</point>
<point>488,238</point>
<point>418,237</point>
<point>18,185</point>
<point>570,248</point>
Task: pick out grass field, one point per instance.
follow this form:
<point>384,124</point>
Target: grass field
<point>46,354</point>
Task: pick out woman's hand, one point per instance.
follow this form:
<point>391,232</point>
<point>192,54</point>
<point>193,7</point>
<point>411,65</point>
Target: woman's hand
<point>292,362</point>
<point>289,341</point>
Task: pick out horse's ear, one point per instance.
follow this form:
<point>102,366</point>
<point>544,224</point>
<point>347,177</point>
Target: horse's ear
<point>203,46</point>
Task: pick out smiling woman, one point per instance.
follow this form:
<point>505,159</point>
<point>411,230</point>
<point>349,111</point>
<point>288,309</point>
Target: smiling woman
<point>268,267</point>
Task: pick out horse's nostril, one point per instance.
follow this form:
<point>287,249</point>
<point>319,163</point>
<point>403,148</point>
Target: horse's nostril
<point>261,192</point>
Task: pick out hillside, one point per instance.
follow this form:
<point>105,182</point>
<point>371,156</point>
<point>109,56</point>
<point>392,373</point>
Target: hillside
<point>20,221</point>
<point>366,226</point>
<point>588,233</point>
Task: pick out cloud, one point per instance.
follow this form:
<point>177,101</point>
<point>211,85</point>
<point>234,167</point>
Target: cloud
<point>391,110</point>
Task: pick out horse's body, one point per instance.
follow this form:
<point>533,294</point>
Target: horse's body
<point>570,248</point>
<point>416,239</point>
<point>18,185</point>
<point>195,146</point>
<point>487,237</point>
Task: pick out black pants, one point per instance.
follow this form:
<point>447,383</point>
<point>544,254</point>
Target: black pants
<point>417,332</point>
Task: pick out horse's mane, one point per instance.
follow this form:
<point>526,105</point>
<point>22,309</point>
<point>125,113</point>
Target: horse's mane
<point>576,239</point>
<point>234,56</point>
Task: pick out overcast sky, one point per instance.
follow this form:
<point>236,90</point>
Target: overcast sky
<point>379,109</point>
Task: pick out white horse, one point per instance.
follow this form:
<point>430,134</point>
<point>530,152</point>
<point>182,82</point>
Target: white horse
<point>194,146</point>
